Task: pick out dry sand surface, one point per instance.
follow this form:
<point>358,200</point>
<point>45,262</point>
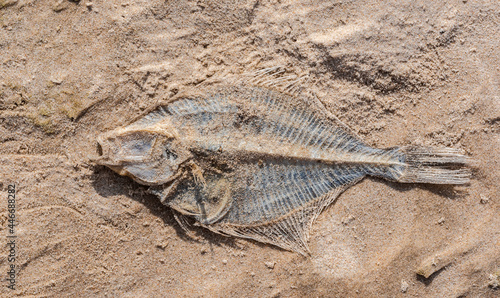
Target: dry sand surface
<point>397,72</point>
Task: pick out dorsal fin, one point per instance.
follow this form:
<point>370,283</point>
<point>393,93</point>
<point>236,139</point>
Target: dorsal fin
<point>278,78</point>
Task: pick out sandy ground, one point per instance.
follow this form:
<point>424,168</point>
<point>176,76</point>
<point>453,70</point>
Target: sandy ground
<point>397,72</point>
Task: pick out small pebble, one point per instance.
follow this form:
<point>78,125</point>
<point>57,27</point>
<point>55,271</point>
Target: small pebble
<point>348,219</point>
<point>270,265</point>
<point>57,81</point>
<point>404,286</point>
<point>494,281</point>
<point>441,221</point>
<point>224,262</point>
<point>162,244</point>
<point>484,199</point>
<point>60,5</point>
<point>276,293</point>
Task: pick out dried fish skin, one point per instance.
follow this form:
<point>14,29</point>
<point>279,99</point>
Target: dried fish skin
<point>257,163</point>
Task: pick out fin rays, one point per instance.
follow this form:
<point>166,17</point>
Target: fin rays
<point>283,199</point>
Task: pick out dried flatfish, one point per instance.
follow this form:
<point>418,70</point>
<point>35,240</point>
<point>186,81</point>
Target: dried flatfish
<point>260,162</point>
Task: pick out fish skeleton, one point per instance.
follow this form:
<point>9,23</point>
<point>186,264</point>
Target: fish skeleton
<point>255,162</point>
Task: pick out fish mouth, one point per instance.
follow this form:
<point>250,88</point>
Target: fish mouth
<point>100,157</point>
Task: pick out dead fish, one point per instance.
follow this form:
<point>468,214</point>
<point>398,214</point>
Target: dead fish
<point>256,162</point>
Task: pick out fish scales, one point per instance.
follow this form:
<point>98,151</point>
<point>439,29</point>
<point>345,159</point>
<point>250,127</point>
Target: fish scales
<point>254,162</point>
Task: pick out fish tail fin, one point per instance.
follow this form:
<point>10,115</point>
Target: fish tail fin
<point>433,165</point>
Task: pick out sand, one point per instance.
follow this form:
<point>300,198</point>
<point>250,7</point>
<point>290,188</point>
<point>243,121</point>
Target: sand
<point>397,72</point>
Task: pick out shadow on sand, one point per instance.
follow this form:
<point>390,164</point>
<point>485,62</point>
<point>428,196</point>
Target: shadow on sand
<point>107,184</point>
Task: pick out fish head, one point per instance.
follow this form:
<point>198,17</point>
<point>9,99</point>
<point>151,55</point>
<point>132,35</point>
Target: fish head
<point>151,155</point>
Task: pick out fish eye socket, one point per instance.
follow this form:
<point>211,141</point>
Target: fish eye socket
<point>170,154</point>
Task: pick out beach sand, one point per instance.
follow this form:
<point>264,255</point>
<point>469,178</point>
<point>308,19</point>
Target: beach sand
<point>396,72</point>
